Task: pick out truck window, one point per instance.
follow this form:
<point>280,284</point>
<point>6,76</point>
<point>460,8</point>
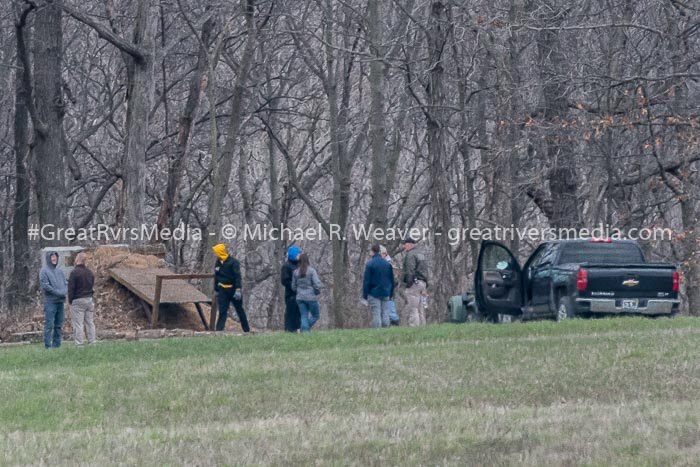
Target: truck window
<point>550,254</point>
<point>496,257</point>
<point>537,258</point>
<point>598,252</point>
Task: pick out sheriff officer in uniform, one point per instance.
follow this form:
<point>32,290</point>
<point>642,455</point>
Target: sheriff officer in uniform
<point>227,284</point>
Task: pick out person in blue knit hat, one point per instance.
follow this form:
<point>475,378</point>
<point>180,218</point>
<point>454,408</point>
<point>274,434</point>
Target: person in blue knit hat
<point>292,317</point>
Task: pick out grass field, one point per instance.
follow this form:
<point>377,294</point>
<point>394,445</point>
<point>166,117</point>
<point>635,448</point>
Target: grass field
<point>620,391</point>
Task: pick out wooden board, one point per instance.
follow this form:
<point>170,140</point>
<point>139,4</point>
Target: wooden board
<point>142,282</point>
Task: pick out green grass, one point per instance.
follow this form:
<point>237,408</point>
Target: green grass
<point>619,391</point>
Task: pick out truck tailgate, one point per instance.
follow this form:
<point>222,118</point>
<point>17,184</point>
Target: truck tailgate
<point>629,281</point>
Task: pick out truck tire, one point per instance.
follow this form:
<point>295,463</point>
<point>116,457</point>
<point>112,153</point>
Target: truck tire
<point>565,308</point>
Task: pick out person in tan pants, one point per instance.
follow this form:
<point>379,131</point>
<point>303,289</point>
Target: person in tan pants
<point>414,295</point>
<point>82,308</point>
<point>415,279</point>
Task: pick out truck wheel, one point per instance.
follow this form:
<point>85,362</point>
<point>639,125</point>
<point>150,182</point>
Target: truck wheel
<point>565,309</point>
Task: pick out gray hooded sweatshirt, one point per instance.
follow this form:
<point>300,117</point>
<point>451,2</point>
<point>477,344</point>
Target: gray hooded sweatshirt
<point>52,281</point>
<point>306,287</point>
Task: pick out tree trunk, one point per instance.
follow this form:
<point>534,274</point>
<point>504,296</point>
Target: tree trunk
<point>140,88</point>
<point>469,174</point>
<point>276,213</point>
<point>198,83</point>
<point>443,281</point>
<point>223,163</point>
<point>276,221</point>
<point>48,145</point>
<point>514,134</point>
<point>18,290</point>
<point>562,178</point>
<point>340,205</point>
<point>377,126</point>
<point>343,158</point>
<point>681,105</point>
<point>691,252</point>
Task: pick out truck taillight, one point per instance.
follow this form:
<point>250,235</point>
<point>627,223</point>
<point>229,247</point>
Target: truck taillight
<point>676,282</point>
<point>581,280</point>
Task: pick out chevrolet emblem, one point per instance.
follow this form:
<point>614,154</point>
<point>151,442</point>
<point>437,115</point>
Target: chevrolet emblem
<point>631,282</point>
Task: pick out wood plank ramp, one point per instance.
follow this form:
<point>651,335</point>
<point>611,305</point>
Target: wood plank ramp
<point>155,286</point>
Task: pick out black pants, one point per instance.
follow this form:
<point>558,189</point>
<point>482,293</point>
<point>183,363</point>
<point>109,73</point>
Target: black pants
<point>292,317</point>
<point>223,299</point>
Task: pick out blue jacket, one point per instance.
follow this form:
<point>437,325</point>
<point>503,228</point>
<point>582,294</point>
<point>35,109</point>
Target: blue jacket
<point>379,278</point>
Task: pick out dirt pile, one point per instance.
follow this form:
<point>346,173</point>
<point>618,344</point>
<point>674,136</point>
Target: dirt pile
<point>116,307</point>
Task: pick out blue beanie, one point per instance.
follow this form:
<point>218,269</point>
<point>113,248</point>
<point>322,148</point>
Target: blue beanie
<point>293,253</point>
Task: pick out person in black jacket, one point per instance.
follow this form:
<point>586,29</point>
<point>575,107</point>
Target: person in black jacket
<point>227,284</point>
<point>292,317</point>
<point>82,308</point>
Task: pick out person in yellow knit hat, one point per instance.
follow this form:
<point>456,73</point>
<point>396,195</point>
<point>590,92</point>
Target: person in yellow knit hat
<point>227,285</point>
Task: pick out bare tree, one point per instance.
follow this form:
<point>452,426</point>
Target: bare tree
<point>138,55</point>
<point>20,217</point>
<point>223,163</point>
<point>198,83</point>
<point>43,94</point>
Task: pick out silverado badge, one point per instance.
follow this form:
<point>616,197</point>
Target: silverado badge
<point>631,282</point>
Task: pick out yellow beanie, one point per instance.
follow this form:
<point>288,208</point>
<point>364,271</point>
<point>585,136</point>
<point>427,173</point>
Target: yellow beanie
<point>220,251</point>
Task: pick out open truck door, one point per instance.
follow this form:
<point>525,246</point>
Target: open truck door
<point>498,283</point>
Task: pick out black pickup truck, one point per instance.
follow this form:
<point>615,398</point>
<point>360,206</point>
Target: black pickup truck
<point>569,278</point>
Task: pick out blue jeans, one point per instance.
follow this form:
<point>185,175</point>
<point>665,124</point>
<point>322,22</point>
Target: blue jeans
<point>307,307</point>
<point>53,324</point>
<point>393,315</point>
<point>380,311</point>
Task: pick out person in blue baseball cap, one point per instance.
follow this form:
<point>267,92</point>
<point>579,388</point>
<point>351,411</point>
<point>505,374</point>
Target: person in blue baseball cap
<point>292,317</point>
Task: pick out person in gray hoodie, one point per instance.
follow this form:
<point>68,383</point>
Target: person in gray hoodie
<point>55,288</point>
<point>307,285</point>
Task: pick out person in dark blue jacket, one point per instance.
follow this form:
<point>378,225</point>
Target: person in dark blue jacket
<point>378,287</point>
